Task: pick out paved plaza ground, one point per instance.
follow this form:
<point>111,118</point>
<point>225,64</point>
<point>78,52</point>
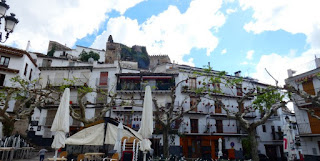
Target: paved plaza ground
<point>35,156</point>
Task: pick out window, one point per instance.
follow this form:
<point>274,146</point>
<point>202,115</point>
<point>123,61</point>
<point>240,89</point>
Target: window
<point>194,125</point>
<point>25,69</point>
<point>273,132</point>
<point>193,103</point>
<point>4,61</point>
<point>193,83</point>
<point>2,77</point>
<point>239,89</point>
<point>264,128</point>
<point>30,75</point>
<point>46,63</point>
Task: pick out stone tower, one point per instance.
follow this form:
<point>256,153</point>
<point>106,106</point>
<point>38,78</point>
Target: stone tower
<point>112,51</point>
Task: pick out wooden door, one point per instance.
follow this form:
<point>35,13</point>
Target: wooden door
<point>308,87</point>
<point>219,126</point>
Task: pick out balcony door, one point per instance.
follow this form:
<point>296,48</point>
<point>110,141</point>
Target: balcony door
<point>194,125</point>
<point>219,126</point>
<point>217,108</point>
<point>103,79</point>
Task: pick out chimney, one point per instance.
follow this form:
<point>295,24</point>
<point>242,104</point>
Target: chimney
<point>317,60</point>
<point>28,46</point>
<point>237,73</point>
<point>290,73</point>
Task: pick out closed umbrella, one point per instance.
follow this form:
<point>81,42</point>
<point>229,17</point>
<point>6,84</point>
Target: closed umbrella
<point>60,123</point>
<point>287,141</point>
<point>117,145</point>
<point>146,128</point>
<point>220,148</point>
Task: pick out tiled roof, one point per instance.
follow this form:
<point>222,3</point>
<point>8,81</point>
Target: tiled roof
<point>16,52</point>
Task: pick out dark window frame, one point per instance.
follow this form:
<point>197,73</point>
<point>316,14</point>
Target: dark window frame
<point>25,70</point>
<point>3,60</point>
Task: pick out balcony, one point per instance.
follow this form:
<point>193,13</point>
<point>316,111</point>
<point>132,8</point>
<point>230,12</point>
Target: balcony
<point>189,89</point>
<point>304,128</point>
<point>102,82</point>
<point>139,87</point>
<point>61,81</point>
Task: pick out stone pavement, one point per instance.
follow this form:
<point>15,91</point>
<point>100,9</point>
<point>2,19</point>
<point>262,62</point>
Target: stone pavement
<point>35,157</point>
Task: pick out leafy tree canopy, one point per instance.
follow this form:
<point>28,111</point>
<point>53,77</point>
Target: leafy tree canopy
<point>84,56</point>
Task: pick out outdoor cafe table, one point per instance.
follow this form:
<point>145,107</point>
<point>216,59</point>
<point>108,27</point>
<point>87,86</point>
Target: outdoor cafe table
<point>7,149</point>
<point>93,156</point>
<point>58,159</point>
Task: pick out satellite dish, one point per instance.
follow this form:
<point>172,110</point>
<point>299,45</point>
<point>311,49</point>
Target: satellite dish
<point>69,56</point>
<point>91,60</point>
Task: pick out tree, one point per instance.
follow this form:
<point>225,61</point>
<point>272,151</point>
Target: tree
<point>167,115</point>
<point>266,100</point>
<point>27,95</point>
<point>84,56</point>
<point>82,91</point>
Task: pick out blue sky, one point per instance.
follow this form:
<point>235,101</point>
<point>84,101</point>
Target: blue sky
<point>246,35</point>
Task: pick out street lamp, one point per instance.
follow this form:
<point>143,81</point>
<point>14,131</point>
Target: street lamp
<point>10,21</point>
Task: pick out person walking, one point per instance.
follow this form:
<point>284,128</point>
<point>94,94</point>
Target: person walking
<point>42,152</point>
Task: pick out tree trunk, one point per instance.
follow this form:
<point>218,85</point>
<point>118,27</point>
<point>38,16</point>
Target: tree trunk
<point>165,133</point>
<point>8,126</point>
<point>254,144</point>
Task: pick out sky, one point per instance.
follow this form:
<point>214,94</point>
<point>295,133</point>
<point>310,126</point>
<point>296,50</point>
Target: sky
<point>233,35</point>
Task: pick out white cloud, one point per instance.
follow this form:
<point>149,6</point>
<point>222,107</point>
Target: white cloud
<point>170,32</point>
<point>224,51</point>
<point>244,63</point>
<point>294,16</point>
<point>278,65</point>
<point>64,21</point>
<point>229,11</point>
<point>250,54</point>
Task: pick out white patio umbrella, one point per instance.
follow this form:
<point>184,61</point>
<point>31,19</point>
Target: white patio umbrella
<point>146,128</point>
<point>60,123</point>
<point>220,148</point>
<point>117,145</point>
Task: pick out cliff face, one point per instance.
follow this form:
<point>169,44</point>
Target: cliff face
<point>158,59</point>
<point>117,51</point>
<point>57,46</point>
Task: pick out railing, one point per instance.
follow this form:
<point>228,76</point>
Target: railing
<point>141,86</point>
<point>304,128</point>
<point>101,99</point>
<point>60,81</point>
<point>102,82</point>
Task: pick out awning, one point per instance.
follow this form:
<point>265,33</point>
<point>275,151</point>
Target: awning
<point>157,77</point>
<point>129,77</point>
<point>94,135</point>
